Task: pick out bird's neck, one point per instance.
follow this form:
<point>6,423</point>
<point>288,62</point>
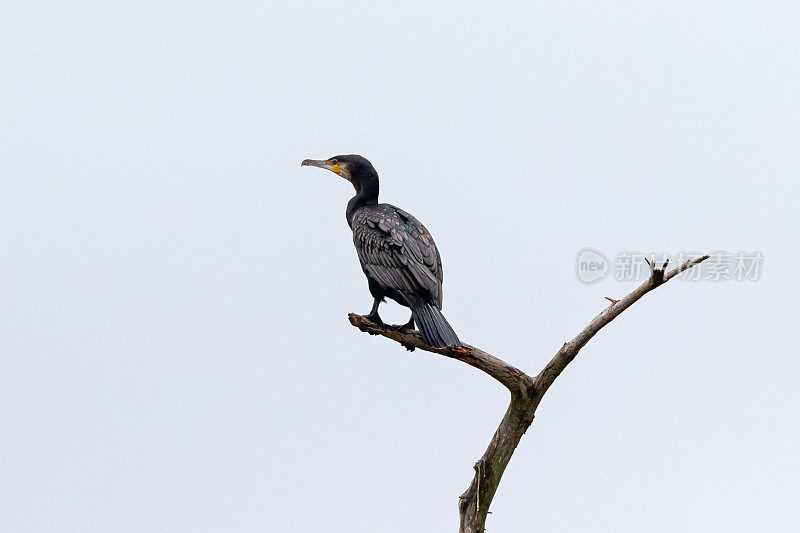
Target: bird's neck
<point>366,195</point>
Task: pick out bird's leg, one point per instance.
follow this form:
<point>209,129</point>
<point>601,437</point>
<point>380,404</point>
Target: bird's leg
<point>401,327</point>
<point>373,315</point>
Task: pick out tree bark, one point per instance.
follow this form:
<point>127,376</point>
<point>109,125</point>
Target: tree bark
<point>526,392</point>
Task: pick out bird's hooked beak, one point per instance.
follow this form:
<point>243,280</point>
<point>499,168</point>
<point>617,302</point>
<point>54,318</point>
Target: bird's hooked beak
<point>327,165</point>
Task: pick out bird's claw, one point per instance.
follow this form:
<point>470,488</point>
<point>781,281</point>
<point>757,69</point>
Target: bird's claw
<point>375,318</point>
<point>408,326</point>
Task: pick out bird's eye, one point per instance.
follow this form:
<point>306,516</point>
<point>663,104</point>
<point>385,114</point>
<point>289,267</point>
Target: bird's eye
<point>334,162</point>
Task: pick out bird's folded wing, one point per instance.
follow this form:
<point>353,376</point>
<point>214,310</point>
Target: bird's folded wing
<point>397,251</point>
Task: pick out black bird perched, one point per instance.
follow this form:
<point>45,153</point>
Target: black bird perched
<point>397,253</point>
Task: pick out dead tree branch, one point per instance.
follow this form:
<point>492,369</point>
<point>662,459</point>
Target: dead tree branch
<point>526,392</point>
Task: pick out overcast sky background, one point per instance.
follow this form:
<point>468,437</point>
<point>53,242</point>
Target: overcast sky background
<point>174,348</point>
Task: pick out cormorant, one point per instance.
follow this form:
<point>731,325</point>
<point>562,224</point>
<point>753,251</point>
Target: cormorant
<point>397,253</point>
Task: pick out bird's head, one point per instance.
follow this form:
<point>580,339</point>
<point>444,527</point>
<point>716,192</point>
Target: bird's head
<point>353,168</point>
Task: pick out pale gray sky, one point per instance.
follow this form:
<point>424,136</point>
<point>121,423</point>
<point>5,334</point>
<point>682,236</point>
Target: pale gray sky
<point>174,345</point>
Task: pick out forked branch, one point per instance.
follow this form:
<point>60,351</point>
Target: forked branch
<point>526,392</point>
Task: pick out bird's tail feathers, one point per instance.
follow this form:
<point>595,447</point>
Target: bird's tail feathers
<point>435,329</point>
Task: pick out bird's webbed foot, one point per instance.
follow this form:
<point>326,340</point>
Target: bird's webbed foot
<point>376,319</point>
<point>403,327</point>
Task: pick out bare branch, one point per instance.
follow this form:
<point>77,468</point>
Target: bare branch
<point>512,378</point>
<point>570,349</point>
<point>526,392</point>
